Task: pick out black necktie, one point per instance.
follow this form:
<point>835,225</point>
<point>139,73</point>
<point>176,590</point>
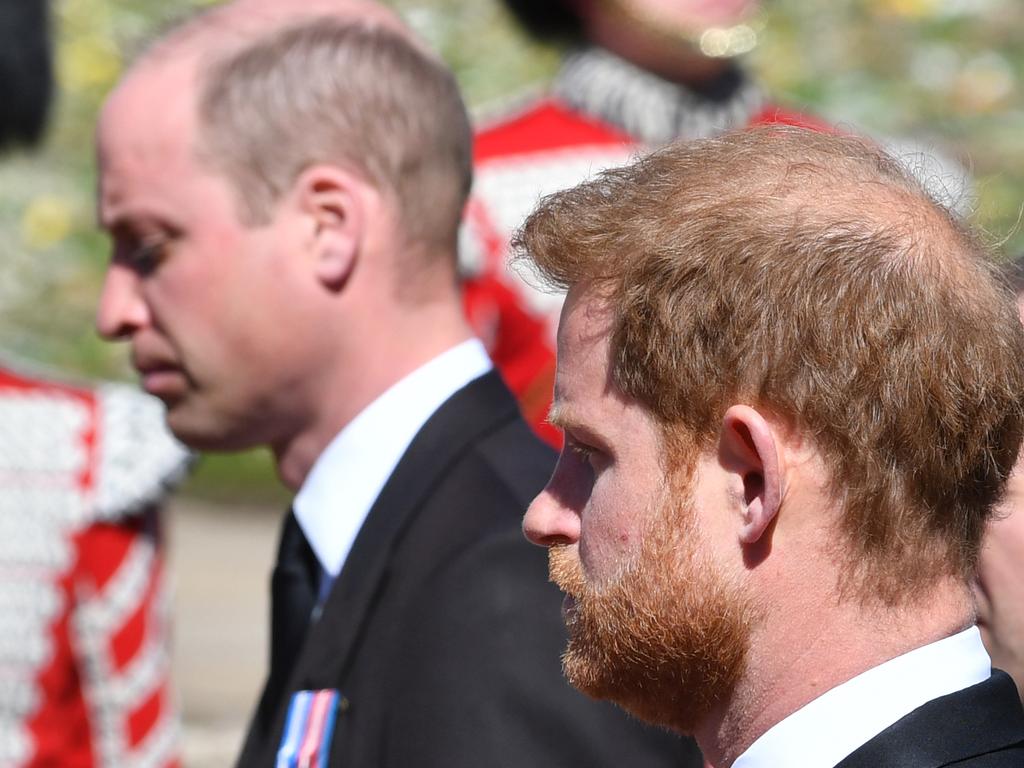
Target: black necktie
<point>293,593</point>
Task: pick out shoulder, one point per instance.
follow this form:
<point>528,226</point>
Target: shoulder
<point>477,500</point>
<point>982,725</point>
<point>109,441</point>
<point>516,459</point>
<point>480,445</point>
<point>543,124</point>
<point>139,460</point>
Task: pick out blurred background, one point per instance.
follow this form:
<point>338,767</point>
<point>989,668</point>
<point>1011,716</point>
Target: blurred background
<point>948,73</point>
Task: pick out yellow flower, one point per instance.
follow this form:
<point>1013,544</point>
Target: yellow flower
<point>89,62</point>
<point>47,221</point>
<point>913,9</point>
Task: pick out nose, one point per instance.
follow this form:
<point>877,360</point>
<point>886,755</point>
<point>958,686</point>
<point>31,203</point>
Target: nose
<point>121,310</point>
<point>549,520</point>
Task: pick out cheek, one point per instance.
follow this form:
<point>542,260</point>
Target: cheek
<point>192,281</point>
<point>1001,556</point>
<point>204,311</point>
<point>610,528</point>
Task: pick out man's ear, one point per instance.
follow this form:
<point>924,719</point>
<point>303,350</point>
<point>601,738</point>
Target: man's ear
<point>334,201</point>
<point>748,448</point>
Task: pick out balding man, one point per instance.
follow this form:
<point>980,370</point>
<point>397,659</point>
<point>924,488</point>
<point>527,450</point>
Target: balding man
<point>283,194</point>
<point>792,391</point>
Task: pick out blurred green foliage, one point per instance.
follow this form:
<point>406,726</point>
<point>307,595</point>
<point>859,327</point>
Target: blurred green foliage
<point>947,72</point>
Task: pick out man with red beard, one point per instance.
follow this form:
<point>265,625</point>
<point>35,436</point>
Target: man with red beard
<point>791,392</point>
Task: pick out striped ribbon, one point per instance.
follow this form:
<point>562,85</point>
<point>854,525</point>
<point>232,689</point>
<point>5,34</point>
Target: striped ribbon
<point>308,729</point>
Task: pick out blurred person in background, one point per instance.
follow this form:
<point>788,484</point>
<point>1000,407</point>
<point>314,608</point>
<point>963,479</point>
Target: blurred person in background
<point>84,662</point>
<point>792,389</point>
<point>1000,584</point>
<point>640,73</point>
<point>283,189</point>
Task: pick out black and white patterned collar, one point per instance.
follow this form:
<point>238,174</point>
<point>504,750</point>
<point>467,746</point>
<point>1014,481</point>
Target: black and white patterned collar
<point>647,107</point>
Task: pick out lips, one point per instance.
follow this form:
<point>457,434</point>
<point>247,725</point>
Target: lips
<point>160,377</point>
<point>165,383</point>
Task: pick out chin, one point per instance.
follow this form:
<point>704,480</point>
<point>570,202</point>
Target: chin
<point>205,432</point>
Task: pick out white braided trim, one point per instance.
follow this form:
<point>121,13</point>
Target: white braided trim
<point>140,461</point>
<point>107,611</point>
<point>42,432</point>
<point>159,746</point>
<point>114,694</point>
<point>16,744</point>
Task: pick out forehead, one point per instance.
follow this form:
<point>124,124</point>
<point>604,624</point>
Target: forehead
<point>153,107</point>
<point>584,388</point>
<point>583,343</point>
<point>589,406</point>
<point>146,141</point>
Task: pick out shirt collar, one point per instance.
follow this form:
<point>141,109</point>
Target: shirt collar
<point>348,476</point>
<point>823,732</point>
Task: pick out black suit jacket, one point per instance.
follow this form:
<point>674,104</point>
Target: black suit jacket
<point>442,632</point>
<point>981,726</point>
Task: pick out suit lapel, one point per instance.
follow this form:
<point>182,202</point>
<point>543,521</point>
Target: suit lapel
<point>480,407</point>
<point>983,718</point>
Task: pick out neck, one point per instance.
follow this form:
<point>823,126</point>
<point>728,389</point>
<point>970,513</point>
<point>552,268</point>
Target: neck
<point>836,643</point>
<point>370,352</point>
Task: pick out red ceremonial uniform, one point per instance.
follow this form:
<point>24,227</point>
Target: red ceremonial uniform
<point>601,112</point>
<point>84,673</point>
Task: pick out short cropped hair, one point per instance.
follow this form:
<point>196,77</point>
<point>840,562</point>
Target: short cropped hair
<point>811,276</point>
<point>343,92</point>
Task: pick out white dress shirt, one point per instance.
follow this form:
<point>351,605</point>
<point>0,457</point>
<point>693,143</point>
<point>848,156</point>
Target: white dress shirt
<point>346,479</point>
<point>823,732</point>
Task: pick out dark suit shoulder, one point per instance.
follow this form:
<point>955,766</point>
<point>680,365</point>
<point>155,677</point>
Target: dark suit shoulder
<point>519,461</point>
<point>482,494</point>
<point>981,726</point>
<point>1010,757</point>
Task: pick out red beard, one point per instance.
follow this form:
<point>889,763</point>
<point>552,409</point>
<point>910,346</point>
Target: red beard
<point>667,640</point>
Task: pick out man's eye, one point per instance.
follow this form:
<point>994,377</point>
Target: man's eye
<point>583,452</point>
<point>145,255</point>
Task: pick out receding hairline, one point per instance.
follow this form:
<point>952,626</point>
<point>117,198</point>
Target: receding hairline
<point>867,189</point>
<point>194,48</point>
<point>206,37</point>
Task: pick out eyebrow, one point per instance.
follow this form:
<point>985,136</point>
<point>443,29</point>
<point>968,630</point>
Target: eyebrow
<point>120,220</point>
<point>564,418</point>
<point>131,215</point>
<point>558,416</point>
